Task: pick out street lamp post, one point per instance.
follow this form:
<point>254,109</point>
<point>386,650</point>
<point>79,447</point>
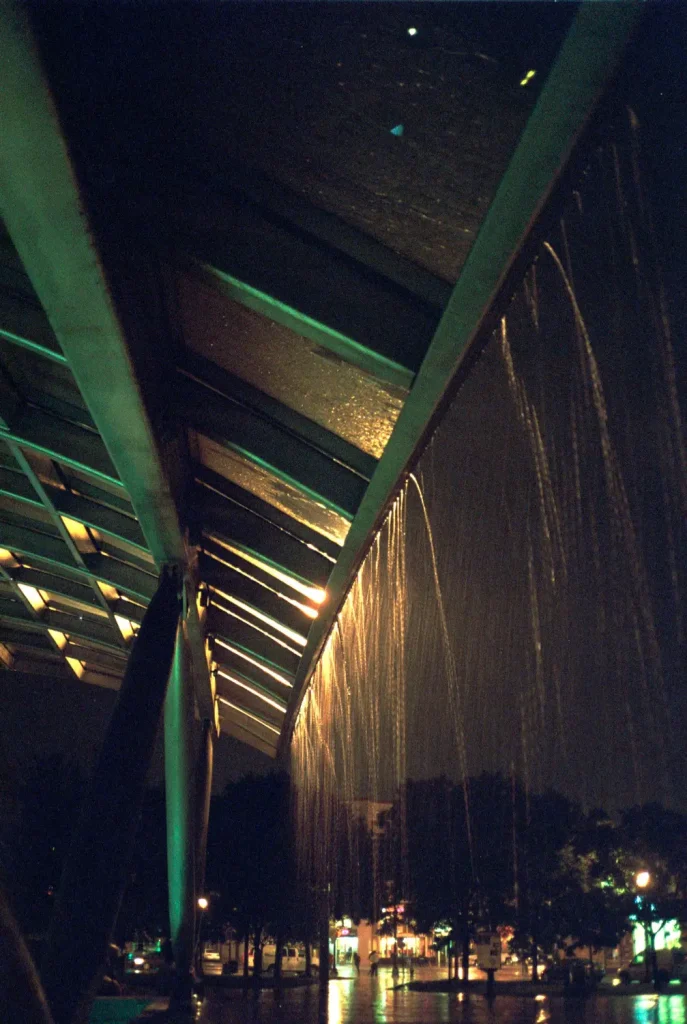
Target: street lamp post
<point>643,882</point>
<point>203,904</point>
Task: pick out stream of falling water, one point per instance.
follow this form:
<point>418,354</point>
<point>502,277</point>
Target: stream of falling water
<point>521,609</point>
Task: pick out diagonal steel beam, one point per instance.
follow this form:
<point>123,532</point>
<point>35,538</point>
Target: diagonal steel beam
<point>32,544</point>
<point>584,66</point>
<point>44,214</point>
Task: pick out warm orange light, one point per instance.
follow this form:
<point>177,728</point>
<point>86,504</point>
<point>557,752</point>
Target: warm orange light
<point>251,689</point>
<point>249,609</point>
<point>254,661</point>
<point>253,625</point>
<point>109,592</point>
<point>80,535</point>
<point>314,594</point>
<point>32,596</point>
<point>203,902</point>
<point>77,667</point>
<point>248,714</point>
<point>59,639</point>
<point>126,627</point>
<point>7,559</point>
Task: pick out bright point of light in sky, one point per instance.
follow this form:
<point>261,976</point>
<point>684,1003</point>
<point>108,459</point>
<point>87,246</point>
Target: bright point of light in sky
<point>412,31</point>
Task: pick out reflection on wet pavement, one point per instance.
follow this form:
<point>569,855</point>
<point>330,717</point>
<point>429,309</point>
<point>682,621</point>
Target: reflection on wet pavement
<point>366,1000</point>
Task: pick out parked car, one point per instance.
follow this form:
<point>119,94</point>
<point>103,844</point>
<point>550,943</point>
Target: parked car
<point>670,964</point>
<point>292,960</point>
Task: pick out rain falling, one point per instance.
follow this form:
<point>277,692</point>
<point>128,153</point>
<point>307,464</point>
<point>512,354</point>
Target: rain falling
<point>522,608</point>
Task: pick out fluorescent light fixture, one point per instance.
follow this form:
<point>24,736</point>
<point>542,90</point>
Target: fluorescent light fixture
<point>126,627</point>
<point>59,639</point>
<point>7,559</point>
<point>305,608</point>
<point>252,689</point>
<point>33,596</point>
<point>247,622</point>
<point>249,609</point>
<point>249,714</point>
<point>314,594</point>
<point>254,661</point>
<point>109,592</point>
<point>80,535</point>
<point>77,667</point>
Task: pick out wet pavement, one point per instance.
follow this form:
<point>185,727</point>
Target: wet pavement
<point>365,1000</point>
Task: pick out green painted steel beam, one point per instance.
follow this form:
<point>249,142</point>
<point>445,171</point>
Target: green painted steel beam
<point>179,800</point>
<point>265,443</point>
<point>344,347</point>
<point>90,513</point>
<point>62,440</point>
<point>28,328</point>
<point>233,577</point>
<point>206,372</point>
<point>89,631</point>
<point>583,68</point>
<point>329,229</point>
<point>52,550</point>
<point>44,215</point>
<point>235,497</point>
<point>56,584</point>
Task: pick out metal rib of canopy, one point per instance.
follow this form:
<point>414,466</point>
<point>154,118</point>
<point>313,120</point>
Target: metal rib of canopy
<point>231,301</point>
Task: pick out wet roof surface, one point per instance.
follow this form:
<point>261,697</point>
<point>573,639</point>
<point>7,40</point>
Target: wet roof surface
<point>282,197</point>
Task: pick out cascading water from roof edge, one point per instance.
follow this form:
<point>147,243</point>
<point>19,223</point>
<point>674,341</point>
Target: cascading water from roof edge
<point>583,70</point>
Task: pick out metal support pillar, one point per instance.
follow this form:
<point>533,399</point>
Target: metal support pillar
<point>179,800</point>
<point>97,868</point>
<point>203,793</point>
<point>206,753</point>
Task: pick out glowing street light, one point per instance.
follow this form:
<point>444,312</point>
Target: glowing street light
<point>642,880</point>
<point>203,902</point>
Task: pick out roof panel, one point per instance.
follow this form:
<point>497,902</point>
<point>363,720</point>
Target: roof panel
<point>260,481</point>
<point>303,375</point>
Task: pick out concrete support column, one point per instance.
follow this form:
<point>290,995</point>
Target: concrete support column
<point>179,800</point>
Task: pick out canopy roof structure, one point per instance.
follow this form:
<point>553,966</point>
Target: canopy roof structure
<point>245,249</point>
